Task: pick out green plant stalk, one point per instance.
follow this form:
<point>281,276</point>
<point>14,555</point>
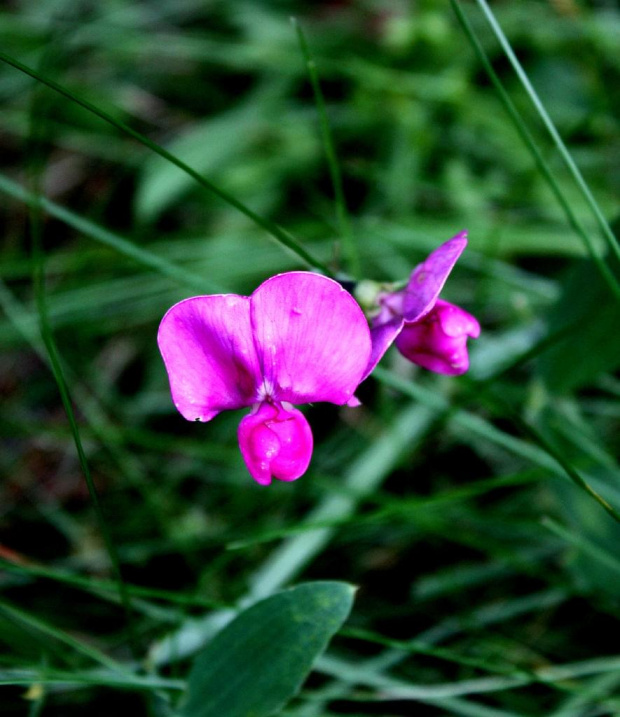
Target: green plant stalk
<point>548,122</point>
<point>552,451</point>
<point>52,351</point>
<point>350,249</point>
<point>38,280</point>
<point>421,648</point>
<point>399,689</point>
<point>529,142</point>
<point>277,232</point>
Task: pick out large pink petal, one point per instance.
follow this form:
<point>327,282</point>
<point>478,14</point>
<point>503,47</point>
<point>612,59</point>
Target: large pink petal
<point>207,346</point>
<point>311,336</point>
<point>428,278</point>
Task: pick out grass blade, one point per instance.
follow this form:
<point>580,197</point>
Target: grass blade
<point>344,224</point>
<point>108,238</point>
<point>37,160</point>
<point>277,232</point>
<point>540,162</point>
<point>548,122</point>
<point>543,454</point>
<point>20,617</point>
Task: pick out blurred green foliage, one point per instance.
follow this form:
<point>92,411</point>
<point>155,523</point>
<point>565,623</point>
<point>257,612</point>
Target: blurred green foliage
<point>482,568</point>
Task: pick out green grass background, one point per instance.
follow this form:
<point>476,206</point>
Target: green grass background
<point>478,514</point>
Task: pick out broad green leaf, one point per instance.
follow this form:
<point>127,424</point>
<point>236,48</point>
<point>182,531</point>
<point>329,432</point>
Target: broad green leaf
<point>259,661</point>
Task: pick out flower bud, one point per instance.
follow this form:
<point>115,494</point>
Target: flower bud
<point>438,341</point>
<point>275,442</point>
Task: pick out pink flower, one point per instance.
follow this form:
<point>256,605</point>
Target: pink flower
<point>300,337</point>
<point>438,341</point>
<point>427,330</point>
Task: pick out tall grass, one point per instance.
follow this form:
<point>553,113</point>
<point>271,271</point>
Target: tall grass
<point>156,151</point>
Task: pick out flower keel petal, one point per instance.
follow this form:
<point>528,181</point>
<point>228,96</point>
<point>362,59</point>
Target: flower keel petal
<point>275,442</point>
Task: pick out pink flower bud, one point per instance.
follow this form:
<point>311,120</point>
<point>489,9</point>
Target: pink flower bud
<point>275,442</point>
<point>438,341</point>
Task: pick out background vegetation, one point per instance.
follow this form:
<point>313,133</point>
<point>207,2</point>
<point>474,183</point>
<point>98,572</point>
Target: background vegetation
<point>476,515</point>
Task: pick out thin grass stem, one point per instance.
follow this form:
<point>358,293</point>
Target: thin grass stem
<point>277,232</point>
<point>20,617</point>
<point>344,224</point>
<point>38,280</point>
<point>544,454</point>
<point>108,238</point>
<point>98,586</point>
<point>539,160</point>
<point>555,135</point>
<point>585,546</point>
<point>111,679</point>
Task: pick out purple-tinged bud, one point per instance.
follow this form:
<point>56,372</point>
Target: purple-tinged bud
<point>275,442</point>
<point>438,341</point>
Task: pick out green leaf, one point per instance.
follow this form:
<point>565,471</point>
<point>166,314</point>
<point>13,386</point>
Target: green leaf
<point>259,661</point>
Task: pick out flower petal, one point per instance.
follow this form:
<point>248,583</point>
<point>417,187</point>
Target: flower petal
<point>275,442</point>
<point>428,278</point>
<point>312,338</point>
<point>456,321</point>
<point>438,342</point>
<point>208,349</point>
<point>382,337</point>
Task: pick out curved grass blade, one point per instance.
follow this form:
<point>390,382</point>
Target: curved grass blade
<point>85,677</point>
<point>586,546</point>
<point>556,454</point>
<point>10,612</point>
<point>277,232</point>
<point>548,122</point>
<point>542,454</point>
<point>529,142</point>
<point>108,238</point>
<point>397,688</point>
<point>36,162</point>
<point>102,588</point>
<point>54,358</point>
